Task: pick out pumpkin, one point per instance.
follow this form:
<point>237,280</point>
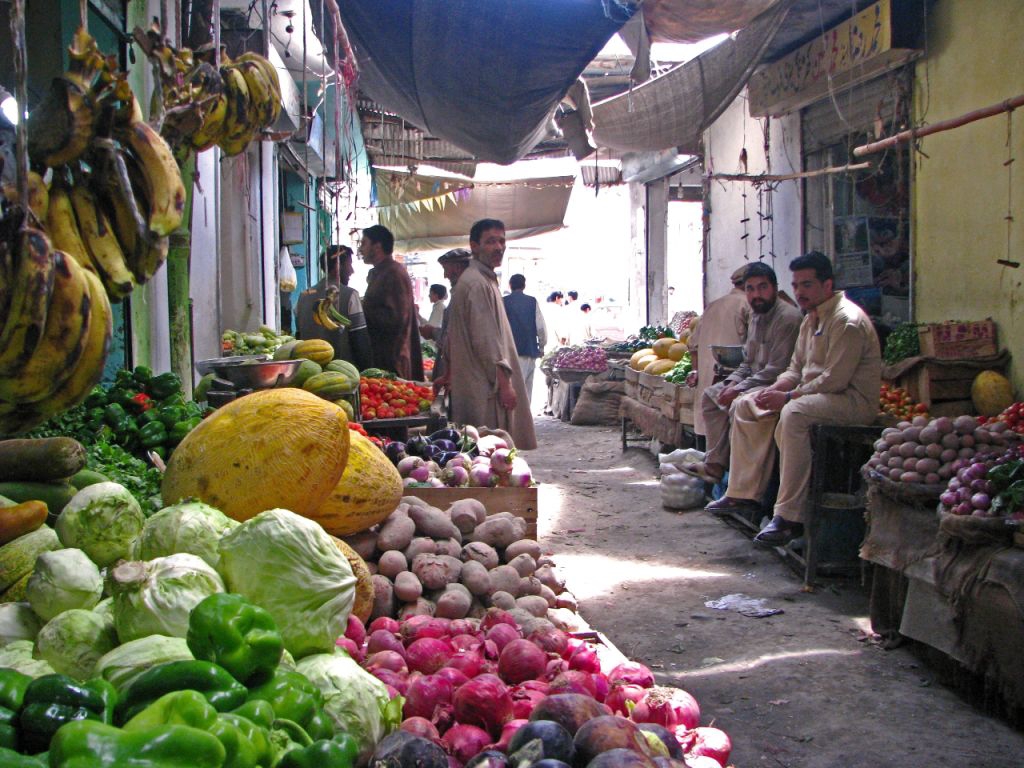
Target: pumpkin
<point>276,448</point>
<point>637,355</point>
<point>368,491</point>
<point>676,351</point>
<point>363,604</point>
<point>662,346</point>
<point>659,367</point>
<point>991,393</point>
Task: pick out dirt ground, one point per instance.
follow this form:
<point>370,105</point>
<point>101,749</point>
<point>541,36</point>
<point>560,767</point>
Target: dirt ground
<point>806,688</point>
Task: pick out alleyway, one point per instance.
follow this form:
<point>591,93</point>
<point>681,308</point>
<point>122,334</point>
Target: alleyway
<point>806,688</point>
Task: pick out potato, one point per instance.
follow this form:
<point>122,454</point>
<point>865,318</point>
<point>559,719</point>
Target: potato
<point>407,587</point>
<point>448,547</point>
<point>467,514</point>
<point>518,522</point>
<point>495,531</point>
<point>549,577</point>
<point>392,563</point>
<point>529,547</point>
<point>421,607</point>
<point>547,594</point>
<point>545,560</point>
<point>454,603</point>
<point>505,578</point>
<point>910,477</point>
<point>528,585</point>
<point>533,604</point>
<point>436,571</point>
<point>568,601</point>
<point>421,545</point>
<point>531,623</point>
<point>431,521</point>
<point>413,501</point>
<point>372,567</point>
<point>383,597</point>
<point>476,578</point>
<point>396,533</point>
<point>481,553</point>
<point>364,543</point>
<point>524,564</point>
<point>907,450</point>
<point>504,600</point>
<point>478,610</point>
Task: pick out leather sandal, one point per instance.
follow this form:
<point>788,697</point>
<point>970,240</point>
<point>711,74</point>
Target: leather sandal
<point>727,505</point>
<point>779,532</point>
<point>700,469</point>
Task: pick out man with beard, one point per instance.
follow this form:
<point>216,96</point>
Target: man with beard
<point>771,334</point>
<point>833,377</point>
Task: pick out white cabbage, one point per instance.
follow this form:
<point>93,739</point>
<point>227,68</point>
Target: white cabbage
<point>73,641</point>
<point>61,580</point>
<point>103,520</point>
<point>190,526</point>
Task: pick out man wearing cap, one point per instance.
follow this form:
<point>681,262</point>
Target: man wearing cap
<point>771,335</point>
<point>454,263</point>
<point>528,329</point>
<point>724,322</point>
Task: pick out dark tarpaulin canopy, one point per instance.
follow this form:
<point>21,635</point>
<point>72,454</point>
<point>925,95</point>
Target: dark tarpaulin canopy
<point>485,75</point>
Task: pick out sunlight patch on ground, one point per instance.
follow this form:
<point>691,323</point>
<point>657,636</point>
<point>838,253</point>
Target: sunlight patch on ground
<point>604,471</point>
<point>863,623</point>
<point>760,661</point>
<point>648,483</point>
<point>596,575</point>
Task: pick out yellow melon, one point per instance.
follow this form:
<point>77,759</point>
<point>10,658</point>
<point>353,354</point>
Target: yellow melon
<point>659,367</point>
<point>363,605</point>
<point>637,355</point>
<point>662,346</point>
<point>676,351</point>
<point>644,361</point>
<point>368,491</point>
<point>277,448</point>
<point>319,351</point>
<point>991,393</point>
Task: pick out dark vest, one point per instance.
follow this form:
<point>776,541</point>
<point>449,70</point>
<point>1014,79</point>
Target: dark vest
<point>522,317</point>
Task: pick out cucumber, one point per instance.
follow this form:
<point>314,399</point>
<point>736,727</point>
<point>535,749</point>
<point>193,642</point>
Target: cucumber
<point>87,477</point>
<point>54,495</point>
<point>18,557</point>
<point>40,459</point>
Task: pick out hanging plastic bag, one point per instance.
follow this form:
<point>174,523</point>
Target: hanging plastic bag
<point>287,280</point>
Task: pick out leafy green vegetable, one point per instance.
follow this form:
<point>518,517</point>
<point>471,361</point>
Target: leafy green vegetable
<point>73,641</point>
<point>141,480</point>
<point>902,343</point>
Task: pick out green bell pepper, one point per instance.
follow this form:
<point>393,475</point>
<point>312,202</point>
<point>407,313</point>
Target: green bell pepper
<point>295,698</point>
<point>96,745</point>
<point>216,684</point>
<point>172,414</point>
<point>148,417</point>
<point>263,750</point>
<point>52,700</point>
<point>164,385</point>
<point>324,753</point>
<point>153,434</point>
<point>97,398</point>
<point>116,416</point>
<point>256,711</point>
<point>13,685</point>
<point>181,429</point>
<point>142,374</point>
<point>241,637</point>
<point>11,759</point>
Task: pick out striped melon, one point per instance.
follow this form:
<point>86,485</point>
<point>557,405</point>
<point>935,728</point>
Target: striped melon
<point>368,491</point>
<point>319,351</point>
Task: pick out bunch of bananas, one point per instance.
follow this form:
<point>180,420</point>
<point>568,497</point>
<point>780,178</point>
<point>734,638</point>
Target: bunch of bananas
<point>326,315</point>
<point>55,326</point>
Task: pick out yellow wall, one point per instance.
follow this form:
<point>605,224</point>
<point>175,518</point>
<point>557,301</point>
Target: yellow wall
<point>960,196</point>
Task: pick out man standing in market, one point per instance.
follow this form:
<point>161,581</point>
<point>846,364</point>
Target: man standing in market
<point>351,343</point>
<point>487,386</point>
<point>771,335</point>
<point>528,329</point>
<point>390,308</point>
<point>834,377</point>
<point>454,263</point>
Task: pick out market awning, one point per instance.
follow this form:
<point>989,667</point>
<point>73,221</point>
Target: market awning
<point>436,212</point>
<point>674,109</point>
<point>690,21</point>
<point>485,76</point>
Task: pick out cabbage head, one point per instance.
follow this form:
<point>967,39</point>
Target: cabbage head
<point>18,655</point>
<point>74,641</point>
<point>288,565</point>
<point>105,609</point>
<point>123,664</point>
<point>356,701</point>
<point>156,597</point>
<point>61,580</point>
<point>18,622</point>
<point>190,526</point>
<point>103,520</point>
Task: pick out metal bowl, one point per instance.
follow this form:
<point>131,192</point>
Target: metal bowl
<point>258,374</point>
<point>727,355</point>
<point>206,366</point>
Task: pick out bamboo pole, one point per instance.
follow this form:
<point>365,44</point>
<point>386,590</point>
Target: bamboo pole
<point>943,125</point>
<point>762,177</point>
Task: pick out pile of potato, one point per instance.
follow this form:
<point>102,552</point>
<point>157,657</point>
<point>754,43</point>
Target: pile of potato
<point>456,563</point>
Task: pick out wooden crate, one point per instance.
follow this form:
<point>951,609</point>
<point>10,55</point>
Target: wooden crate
<point>676,400</point>
<point>632,383</point>
<point>649,389</point>
<point>958,341</point>
<point>521,502</point>
<point>944,388</point>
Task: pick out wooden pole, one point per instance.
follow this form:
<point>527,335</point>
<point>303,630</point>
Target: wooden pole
<point>761,177</point>
<point>943,125</point>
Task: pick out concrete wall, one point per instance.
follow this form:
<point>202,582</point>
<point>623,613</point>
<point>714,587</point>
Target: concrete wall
<point>204,269</point>
<point>726,249</point>
<point>961,188</point>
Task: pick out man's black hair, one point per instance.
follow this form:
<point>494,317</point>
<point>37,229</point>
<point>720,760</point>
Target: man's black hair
<point>573,295</point>
<point>382,236</point>
<point>439,290</point>
<point>585,307</point>
<point>816,260</point>
<point>760,269</point>
<point>477,230</point>
<point>517,282</point>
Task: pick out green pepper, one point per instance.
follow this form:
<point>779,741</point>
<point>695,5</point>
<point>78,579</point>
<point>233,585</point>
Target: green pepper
<point>142,374</point>
<point>115,416</point>
<point>164,385</point>
<point>324,753</point>
<point>96,745</point>
<point>221,690</point>
<point>295,698</point>
<point>97,398</point>
<point>257,711</point>
<point>175,400</point>
<point>52,700</point>
<point>123,379</point>
<point>239,636</point>
<point>153,434</point>
<point>148,417</point>
<point>13,685</point>
<point>180,430</point>
<point>263,750</point>
<point>172,414</point>
<point>11,759</point>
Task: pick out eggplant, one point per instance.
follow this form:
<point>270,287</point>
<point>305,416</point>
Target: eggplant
<point>431,453</point>
<point>417,446</point>
<point>444,445</point>
<point>467,445</point>
<point>445,457</point>
<point>395,451</point>
<point>446,434</point>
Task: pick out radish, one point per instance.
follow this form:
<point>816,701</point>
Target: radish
<point>501,460</point>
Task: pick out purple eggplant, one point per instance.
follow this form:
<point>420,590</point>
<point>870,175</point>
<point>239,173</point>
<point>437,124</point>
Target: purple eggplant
<point>417,446</point>
<point>445,445</point>
<point>446,434</point>
<point>395,451</point>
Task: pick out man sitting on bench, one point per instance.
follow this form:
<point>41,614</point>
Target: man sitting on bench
<point>834,377</point>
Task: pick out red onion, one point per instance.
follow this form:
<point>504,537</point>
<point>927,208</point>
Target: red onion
<point>620,693</point>
<point>420,726</point>
<point>601,686</point>
<point>524,700</point>
<point>710,742</point>
<point>520,660</point>
<point>554,668</point>
<point>394,680</point>
<point>700,761</point>
<point>491,649</point>
<point>455,476</point>
<point>465,642</point>
<point>425,695</point>
<point>519,476</point>
<point>481,476</point>
<point>351,648</point>
<point>383,640</point>
<point>582,358</point>
<point>501,460</point>
<point>462,627</point>
<point>416,627</point>
<point>550,640</point>
<point>391,660</point>
<point>497,616</point>
<point>668,707</point>
<point>503,634</point>
<point>427,655</point>
<point>392,691</point>
<point>465,741</point>
<point>573,681</point>
<point>385,622</point>
<point>585,659</point>
<point>534,685</point>
<point>454,676</point>
<point>483,701</point>
<point>470,663</point>
<point>632,672</point>
<point>507,732</point>
<point>355,631</point>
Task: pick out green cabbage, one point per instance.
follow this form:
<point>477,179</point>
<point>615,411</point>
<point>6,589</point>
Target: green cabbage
<point>290,566</point>
<point>18,655</point>
<point>356,701</point>
<point>105,608</point>
<point>103,520</point>
<point>18,622</point>
<point>156,597</point>
<point>122,665</point>
<point>191,526</point>
<point>62,580</point>
<point>74,641</point>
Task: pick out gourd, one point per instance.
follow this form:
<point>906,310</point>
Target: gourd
<point>18,558</point>
<point>369,490</point>
<point>319,351</point>
<point>660,366</point>
<point>991,393</point>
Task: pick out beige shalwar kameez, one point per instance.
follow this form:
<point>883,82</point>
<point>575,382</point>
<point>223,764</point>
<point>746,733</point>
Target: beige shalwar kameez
<point>724,322</point>
<point>479,342</point>
<point>837,373</point>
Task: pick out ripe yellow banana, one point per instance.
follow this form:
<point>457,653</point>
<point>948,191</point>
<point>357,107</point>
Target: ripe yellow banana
<point>164,188</point>
<point>322,318</point>
<point>213,124</point>
<point>62,226</point>
<point>38,196</point>
<point>63,340</point>
<point>238,127</point>
<point>261,94</point>
<point>271,76</point>
<point>104,250</point>
<point>30,300</point>
<point>61,128</point>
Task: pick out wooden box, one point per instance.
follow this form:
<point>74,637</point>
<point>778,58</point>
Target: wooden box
<point>958,341</point>
<point>677,402</point>
<point>521,502</point>
<point>632,383</point>
<point>649,389</point>
<point>944,388</point>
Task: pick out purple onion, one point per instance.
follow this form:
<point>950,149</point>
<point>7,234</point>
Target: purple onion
<point>948,499</point>
<point>981,501</point>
